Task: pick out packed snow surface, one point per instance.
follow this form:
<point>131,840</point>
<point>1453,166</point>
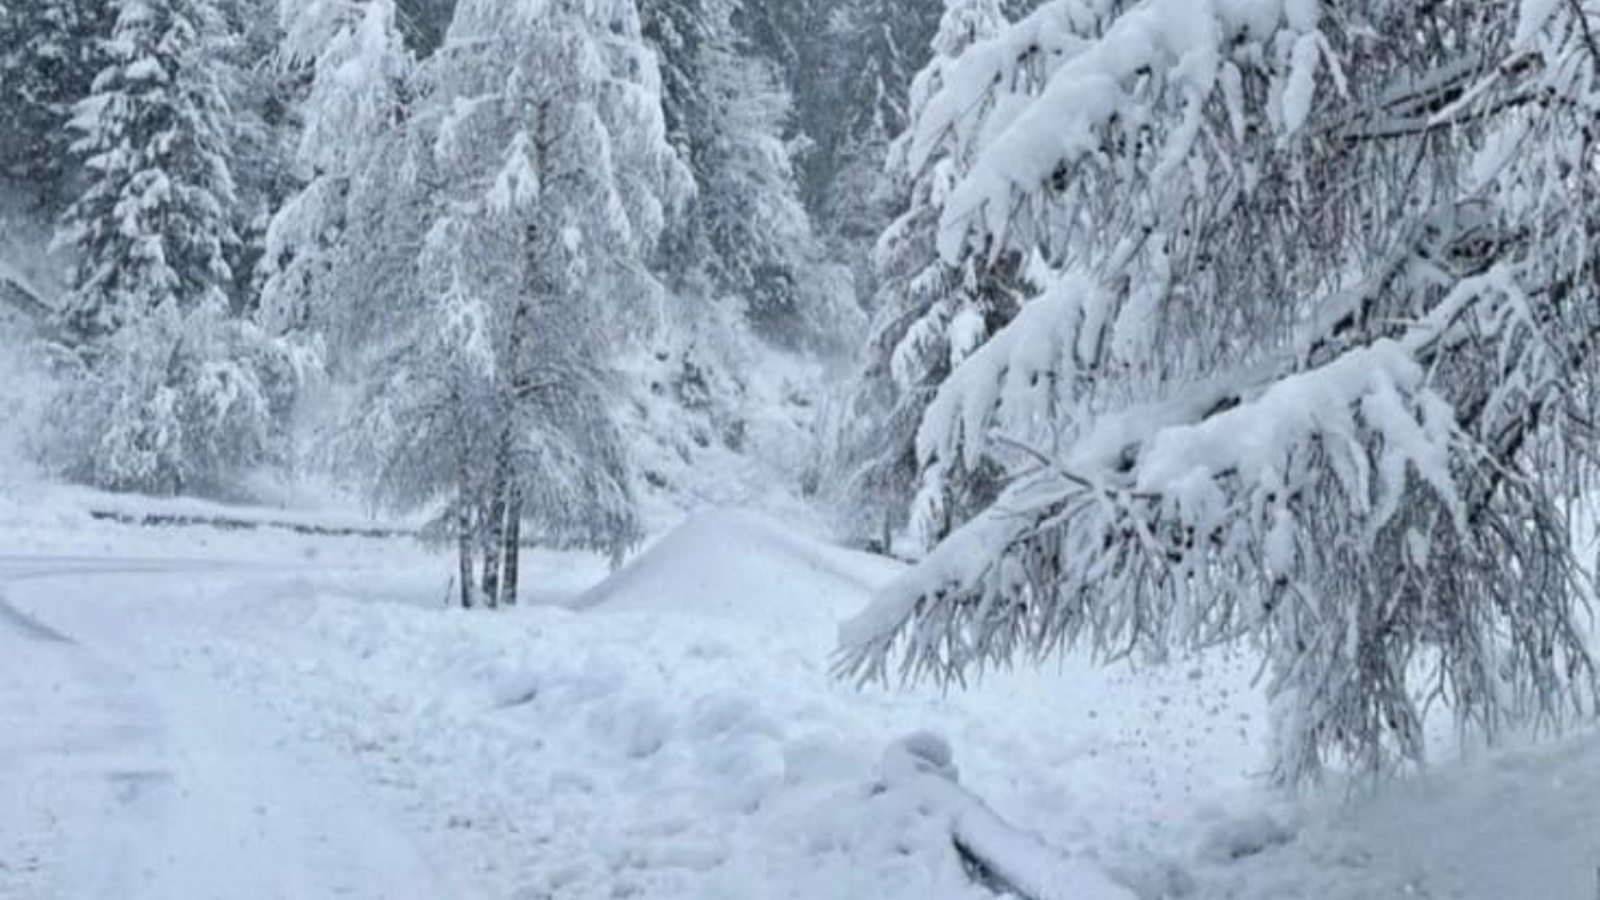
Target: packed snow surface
<point>241,714</point>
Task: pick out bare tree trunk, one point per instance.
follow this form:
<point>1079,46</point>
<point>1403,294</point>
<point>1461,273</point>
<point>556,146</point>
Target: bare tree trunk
<point>464,544</point>
<point>493,541</point>
<point>512,554</point>
<point>496,535</point>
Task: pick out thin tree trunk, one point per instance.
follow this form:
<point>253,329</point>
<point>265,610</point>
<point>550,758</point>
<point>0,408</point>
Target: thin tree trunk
<point>493,543</point>
<point>464,546</point>
<point>512,555</point>
<point>509,497</point>
<point>494,539</point>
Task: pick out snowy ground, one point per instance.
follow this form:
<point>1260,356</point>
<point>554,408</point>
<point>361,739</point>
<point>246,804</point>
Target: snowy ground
<point>198,714</point>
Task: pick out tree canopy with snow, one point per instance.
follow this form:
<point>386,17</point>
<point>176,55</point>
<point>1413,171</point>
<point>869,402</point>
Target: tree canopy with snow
<point>50,52</point>
<point>540,160</point>
<point>154,226</point>
<point>928,315</point>
<point>1311,365</point>
<point>745,233</point>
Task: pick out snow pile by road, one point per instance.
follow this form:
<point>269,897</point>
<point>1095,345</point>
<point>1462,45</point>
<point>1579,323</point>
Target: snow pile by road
<point>741,566</point>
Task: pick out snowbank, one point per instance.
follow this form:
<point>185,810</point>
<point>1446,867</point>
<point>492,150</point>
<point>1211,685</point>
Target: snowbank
<point>737,565</point>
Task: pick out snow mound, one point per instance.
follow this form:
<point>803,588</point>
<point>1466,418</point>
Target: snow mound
<point>734,564</point>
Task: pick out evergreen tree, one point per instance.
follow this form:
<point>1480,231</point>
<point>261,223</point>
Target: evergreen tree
<point>50,51</point>
<point>154,225</point>
<point>1252,402</point>
<point>260,136</point>
<point>351,59</point>
<point>746,233</point>
<point>929,316</point>
<point>849,64</point>
<point>174,392</point>
<point>878,47</point>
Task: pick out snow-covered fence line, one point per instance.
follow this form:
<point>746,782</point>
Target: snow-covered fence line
<point>994,853</point>
<point>142,511</point>
<point>227,523</point>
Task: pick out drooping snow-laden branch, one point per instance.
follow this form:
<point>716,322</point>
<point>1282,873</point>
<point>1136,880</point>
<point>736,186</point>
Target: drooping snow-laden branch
<point>1232,488</point>
<point>1316,367</point>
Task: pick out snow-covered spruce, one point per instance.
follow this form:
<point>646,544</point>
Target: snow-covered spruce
<point>49,55</point>
<point>928,316</point>
<point>745,234</point>
<point>154,225</point>
<point>1315,367</point>
<point>353,58</point>
<point>169,391</point>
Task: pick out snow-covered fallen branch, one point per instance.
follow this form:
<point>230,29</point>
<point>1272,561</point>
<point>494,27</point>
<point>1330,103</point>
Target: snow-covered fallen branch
<point>997,855</point>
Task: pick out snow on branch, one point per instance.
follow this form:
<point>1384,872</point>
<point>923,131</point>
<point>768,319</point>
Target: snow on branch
<point>1222,513</point>
<point>1162,57</point>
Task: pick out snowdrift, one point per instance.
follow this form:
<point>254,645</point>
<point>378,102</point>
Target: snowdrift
<point>734,564</point>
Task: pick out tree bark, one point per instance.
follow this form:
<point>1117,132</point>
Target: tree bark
<point>512,554</point>
<point>493,541</point>
<point>496,533</point>
<point>464,544</point>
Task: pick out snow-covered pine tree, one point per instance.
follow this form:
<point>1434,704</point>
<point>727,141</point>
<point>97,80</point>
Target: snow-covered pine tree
<point>154,224</point>
<point>261,132</point>
<point>352,57</point>
<point>173,392</point>
<point>50,51</point>
<point>542,144</point>
<point>792,35</point>
<point>928,316</point>
<point>874,48</point>
<point>1317,367</point>
<point>424,23</point>
<point>746,233</point>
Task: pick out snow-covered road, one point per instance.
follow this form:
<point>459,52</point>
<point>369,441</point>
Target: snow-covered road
<point>193,715</point>
<point>128,778</point>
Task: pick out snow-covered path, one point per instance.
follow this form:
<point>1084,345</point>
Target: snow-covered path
<point>306,721</point>
<point>132,779</point>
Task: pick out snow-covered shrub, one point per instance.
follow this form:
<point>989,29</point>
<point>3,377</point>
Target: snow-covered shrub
<point>28,390</point>
<point>176,404</point>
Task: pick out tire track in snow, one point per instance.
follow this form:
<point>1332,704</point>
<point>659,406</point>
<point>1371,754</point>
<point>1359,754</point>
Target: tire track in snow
<point>28,627</point>
<point>136,780</point>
